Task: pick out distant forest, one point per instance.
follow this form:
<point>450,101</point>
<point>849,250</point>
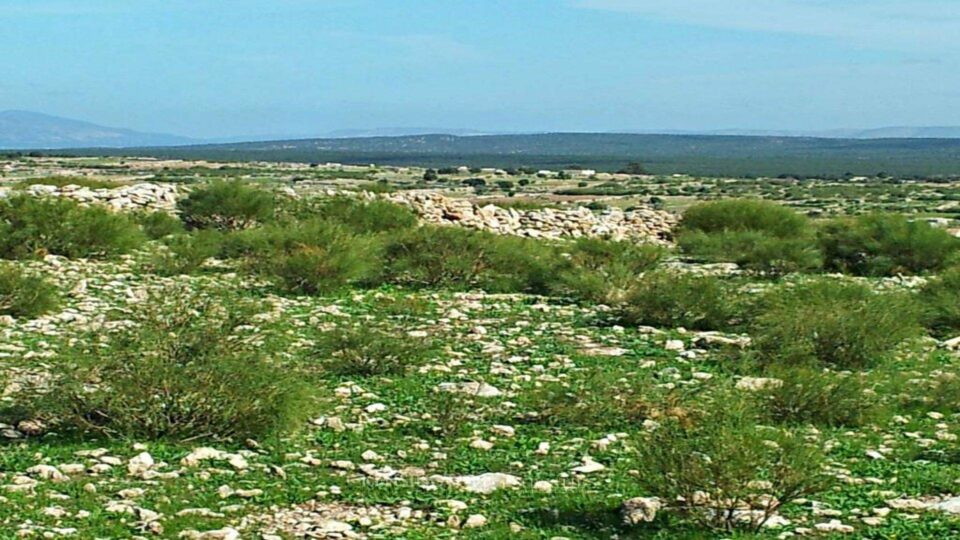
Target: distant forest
<point>661,154</point>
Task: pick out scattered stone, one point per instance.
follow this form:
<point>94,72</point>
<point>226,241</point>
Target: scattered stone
<point>640,510</point>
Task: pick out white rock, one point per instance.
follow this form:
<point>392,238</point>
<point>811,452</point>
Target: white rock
<point>756,384</point>
<point>140,464</point>
<point>589,466</point>
<point>640,510</point>
<point>674,345</point>
<point>481,444</point>
<point>543,486</point>
<point>475,521</point>
<point>483,484</point>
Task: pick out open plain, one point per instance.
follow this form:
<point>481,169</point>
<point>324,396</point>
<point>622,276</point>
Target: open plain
<point>271,350</point>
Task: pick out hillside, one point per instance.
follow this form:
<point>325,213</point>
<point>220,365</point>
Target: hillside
<point>28,130</point>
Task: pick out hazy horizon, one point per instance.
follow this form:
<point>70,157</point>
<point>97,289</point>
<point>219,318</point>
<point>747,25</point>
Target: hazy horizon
<point>253,69</point>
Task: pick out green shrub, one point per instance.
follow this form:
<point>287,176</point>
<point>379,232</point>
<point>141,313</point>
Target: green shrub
<point>885,245</point>
<point>602,400</point>
<point>360,216</point>
<point>823,398</point>
<point>602,270</point>
<point>226,206</point>
<point>716,463</point>
<point>365,352</point>
<point>158,225</point>
<point>33,226</point>
<point>183,371</point>
<point>740,215</point>
<point>832,322</point>
<point>184,253</point>
<point>309,257</point>
<point>757,235</point>
<point>753,250</point>
<point>940,298</point>
<point>457,258</point>
<point>670,300</point>
<point>939,393</point>
<point>25,295</point>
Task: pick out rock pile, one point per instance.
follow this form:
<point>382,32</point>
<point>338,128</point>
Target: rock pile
<point>644,224</point>
<point>145,196</point>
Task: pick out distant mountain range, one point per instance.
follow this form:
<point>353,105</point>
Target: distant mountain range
<point>30,130</point>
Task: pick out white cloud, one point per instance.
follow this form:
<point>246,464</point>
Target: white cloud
<point>897,24</point>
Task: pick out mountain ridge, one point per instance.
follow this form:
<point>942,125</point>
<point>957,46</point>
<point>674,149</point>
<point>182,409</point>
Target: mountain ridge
<point>21,130</point>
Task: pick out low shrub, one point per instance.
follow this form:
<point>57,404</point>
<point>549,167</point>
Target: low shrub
<point>940,298</point>
<point>33,226</point>
<point>939,393</point>
<point>457,258</point>
<point>184,253</point>
<point>226,206</point>
<point>757,235</point>
<point>602,400</point>
<point>364,352</point>
<point>753,250</point>
<point>309,257</point>
<point>602,270</point>
<point>885,245</point>
<point>362,217</point>
<point>670,300</point>
<point>183,370</point>
<point>25,295</point>
<point>741,215</point>
<point>718,467</point>
<point>822,398</point>
<point>158,225</point>
<point>832,322</point>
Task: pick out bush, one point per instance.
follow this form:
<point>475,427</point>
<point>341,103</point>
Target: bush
<point>823,398</point>
<point>757,235</point>
<point>603,400</point>
<point>670,300</point>
<point>940,298</point>
<point>826,321</point>
<point>602,270</point>
<point>158,225</point>
<point>366,352</point>
<point>184,253</point>
<point>753,250</point>
<point>25,295</point>
<point>360,216</point>
<point>182,371</point>
<point>309,257</point>
<point>719,468</point>
<point>33,226</point>
<point>740,215</point>
<point>939,393</point>
<point>226,206</point>
<point>885,245</point>
<point>457,258</point>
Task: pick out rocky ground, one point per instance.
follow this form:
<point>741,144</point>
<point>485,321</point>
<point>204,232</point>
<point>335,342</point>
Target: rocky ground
<point>516,424</point>
<point>451,449</point>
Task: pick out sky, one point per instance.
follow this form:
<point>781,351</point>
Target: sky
<point>235,68</point>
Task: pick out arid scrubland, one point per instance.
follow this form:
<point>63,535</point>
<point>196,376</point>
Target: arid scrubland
<point>217,351</point>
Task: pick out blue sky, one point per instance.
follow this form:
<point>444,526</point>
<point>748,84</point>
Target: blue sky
<point>214,68</point>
